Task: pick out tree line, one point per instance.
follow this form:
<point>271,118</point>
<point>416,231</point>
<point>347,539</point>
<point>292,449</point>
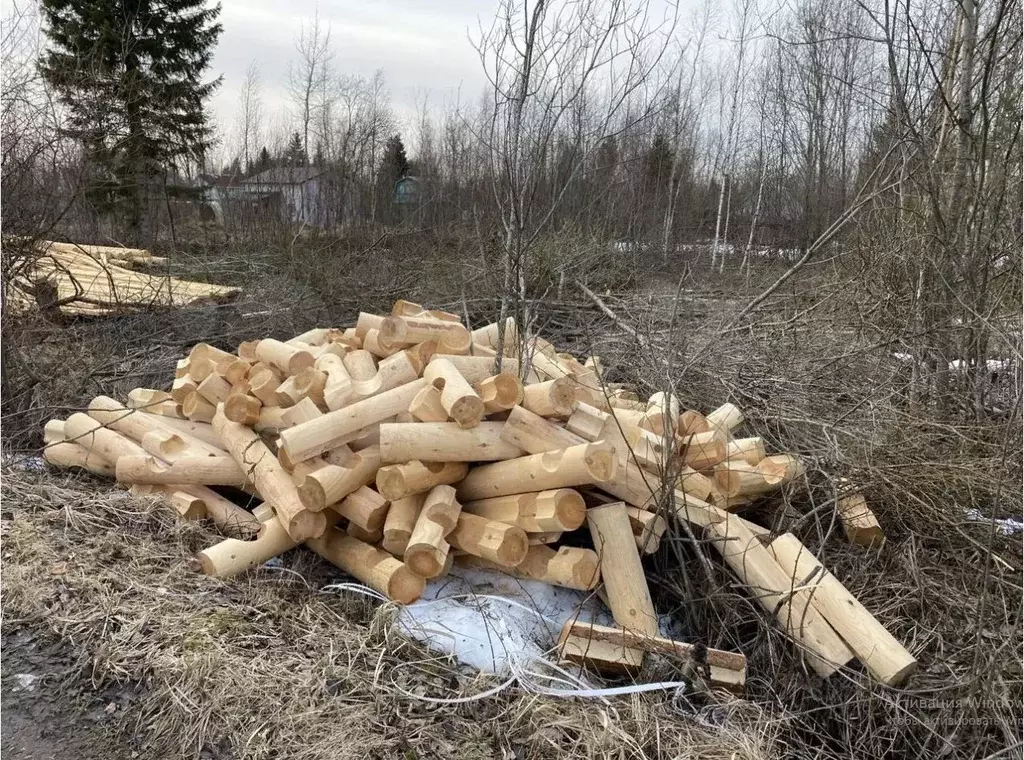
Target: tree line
<point>750,127</point>
<point>744,127</point>
<point>885,135</point>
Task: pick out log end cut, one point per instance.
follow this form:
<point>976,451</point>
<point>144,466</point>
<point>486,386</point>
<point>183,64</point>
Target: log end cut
<point>467,411</point>
<point>391,483</point>
<point>200,563</point>
<point>312,494</point>
<point>306,524</point>
<point>582,566</point>
<point>405,587</point>
<point>513,547</point>
<point>243,409</point>
<point>425,560</point>
<point>601,462</point>
<point>567,504</point>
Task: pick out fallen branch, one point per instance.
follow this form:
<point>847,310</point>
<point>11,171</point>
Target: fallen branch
<point>619,321</point>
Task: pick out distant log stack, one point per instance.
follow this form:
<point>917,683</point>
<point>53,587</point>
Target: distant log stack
<point>97,280</point>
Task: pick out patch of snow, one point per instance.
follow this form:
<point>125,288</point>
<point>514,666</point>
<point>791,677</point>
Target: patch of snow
<point>959,365</point>
<point>629,246</point>
<point>1007,526</point>
<point>25,681</point>
<point>26,462</point>
<point>992,365</point>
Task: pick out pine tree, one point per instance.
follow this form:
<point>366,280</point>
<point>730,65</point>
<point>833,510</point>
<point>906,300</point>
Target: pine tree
<point>394,164</point>
<point>294,155</point>
<point>262,163</point>
<point>131,75</point>
<point>658,162</point>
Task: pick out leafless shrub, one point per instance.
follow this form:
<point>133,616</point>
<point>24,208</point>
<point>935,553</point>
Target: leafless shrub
<point>817,385</point>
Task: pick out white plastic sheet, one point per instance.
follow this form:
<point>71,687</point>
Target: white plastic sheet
<point>491,621</point>
<point>486,619</point>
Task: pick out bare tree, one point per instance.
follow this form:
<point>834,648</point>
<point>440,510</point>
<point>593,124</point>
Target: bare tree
<point>951,69</point>
<point>377,123</point>
<point>308,77</point>
<point>426,136</point>
<point>250,117</point>
<point>685,114</point>
<point>762,172</point>
<point>41,170</point>
<point>557,66</point>
<point>744,13</point>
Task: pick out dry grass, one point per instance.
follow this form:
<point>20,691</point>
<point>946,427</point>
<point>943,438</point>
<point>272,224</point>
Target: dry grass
<point>266,666</point>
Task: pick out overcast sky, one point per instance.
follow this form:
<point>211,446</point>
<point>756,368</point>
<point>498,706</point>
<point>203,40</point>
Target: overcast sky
<point>422,46</point>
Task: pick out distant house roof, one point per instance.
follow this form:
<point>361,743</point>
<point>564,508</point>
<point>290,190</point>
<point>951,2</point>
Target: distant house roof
<point>219,180</point>
<point>288,175</point>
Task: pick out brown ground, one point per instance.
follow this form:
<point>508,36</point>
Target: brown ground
<point>50,710</point>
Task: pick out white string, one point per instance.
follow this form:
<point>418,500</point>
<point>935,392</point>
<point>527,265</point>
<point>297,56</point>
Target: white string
<point>356,588</point>
<point>519,663</point>
<point>280,569</point>
<point>582,688</point>
<point>492,597</point>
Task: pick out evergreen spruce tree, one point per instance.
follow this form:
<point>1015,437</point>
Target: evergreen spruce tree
<point>295,155</point>
<point>262,163</point>
<point>131,75</point>
<point>394,164</point>
<point>658,162</point>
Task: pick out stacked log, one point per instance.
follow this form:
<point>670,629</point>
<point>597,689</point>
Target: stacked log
<point>96,280</point>
<point>403,444</point>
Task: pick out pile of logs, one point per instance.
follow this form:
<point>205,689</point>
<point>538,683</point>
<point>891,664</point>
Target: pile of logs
<point>96,280</point>
<point>404,444</point>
